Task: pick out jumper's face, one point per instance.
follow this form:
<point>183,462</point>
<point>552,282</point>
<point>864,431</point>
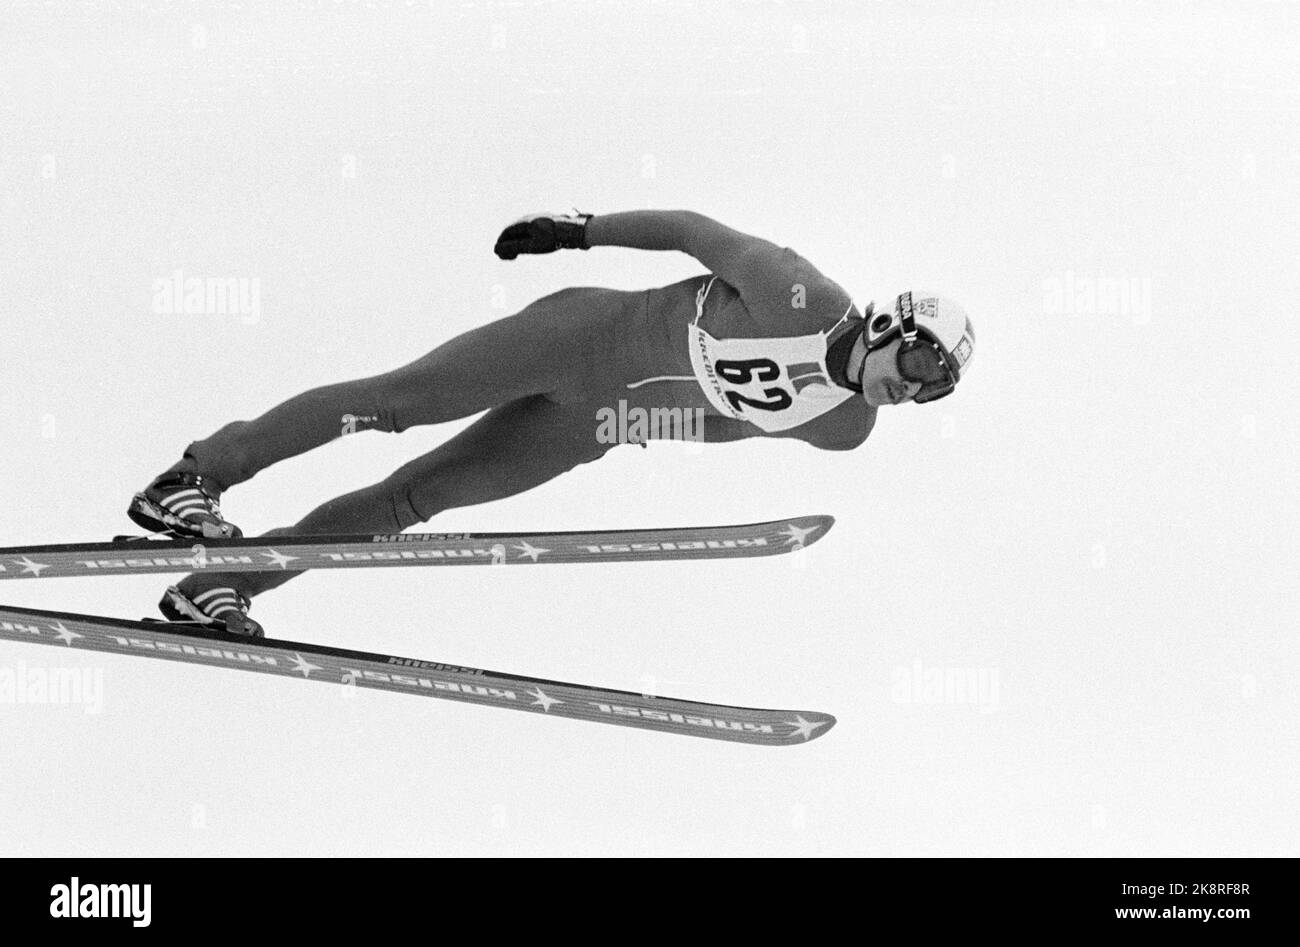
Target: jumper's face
<point>881,382</point>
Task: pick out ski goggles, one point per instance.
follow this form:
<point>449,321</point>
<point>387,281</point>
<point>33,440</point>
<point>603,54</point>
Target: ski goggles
<point>924,362</point>
<point>920,358</point>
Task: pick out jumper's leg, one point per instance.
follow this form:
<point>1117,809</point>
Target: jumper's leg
<point>509,450</point>
<point>550,346</point>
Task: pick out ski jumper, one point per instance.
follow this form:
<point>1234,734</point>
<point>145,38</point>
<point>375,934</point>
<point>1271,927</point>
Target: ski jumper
<point>542,376</point>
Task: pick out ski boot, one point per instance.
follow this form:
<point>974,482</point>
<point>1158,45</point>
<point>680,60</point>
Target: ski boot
<point>221,609</point>
<point>183,505</point>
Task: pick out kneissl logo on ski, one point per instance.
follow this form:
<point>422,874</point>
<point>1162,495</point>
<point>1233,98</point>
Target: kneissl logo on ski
<point>341,667</point>
<point>295,553</point>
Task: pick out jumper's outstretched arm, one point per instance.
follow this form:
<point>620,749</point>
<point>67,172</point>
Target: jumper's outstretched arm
<point>775,282</point>
<point>738,258</point>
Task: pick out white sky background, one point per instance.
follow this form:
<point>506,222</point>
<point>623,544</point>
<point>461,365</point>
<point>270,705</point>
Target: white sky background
<point>1104,516</point>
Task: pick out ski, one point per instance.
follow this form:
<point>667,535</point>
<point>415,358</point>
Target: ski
<point>139,556</point>
<point>408,676</point>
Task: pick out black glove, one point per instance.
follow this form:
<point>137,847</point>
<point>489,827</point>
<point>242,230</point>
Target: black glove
<point>543,233</point>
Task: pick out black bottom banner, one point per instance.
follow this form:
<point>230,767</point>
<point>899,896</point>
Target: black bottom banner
<point>1148,897</point>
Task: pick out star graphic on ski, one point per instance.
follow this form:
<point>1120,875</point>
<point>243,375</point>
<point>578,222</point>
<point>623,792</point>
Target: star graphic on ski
<point>278,558</point>
<point>541,700</point>
<point>64,634</point>
<point>795,536</point>
<point>527,549</point>
<point>303,666</point>
<point>29,567</point>
<point>804,728</point>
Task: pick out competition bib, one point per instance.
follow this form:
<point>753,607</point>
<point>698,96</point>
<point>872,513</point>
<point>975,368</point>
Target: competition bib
<point>775,384</point>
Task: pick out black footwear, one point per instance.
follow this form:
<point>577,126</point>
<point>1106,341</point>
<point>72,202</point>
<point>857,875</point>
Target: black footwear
<point>183,505</point>
<point>222,608</point>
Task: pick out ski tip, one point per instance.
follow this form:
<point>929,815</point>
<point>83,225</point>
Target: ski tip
<point>806,726</point>
<point>825,521</point>
<point>803,531</point>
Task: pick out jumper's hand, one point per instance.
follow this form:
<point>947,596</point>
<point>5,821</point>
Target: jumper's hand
<point>543,233</point>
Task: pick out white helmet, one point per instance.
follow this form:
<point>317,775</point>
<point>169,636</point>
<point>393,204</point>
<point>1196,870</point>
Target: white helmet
<point>938,342</point>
